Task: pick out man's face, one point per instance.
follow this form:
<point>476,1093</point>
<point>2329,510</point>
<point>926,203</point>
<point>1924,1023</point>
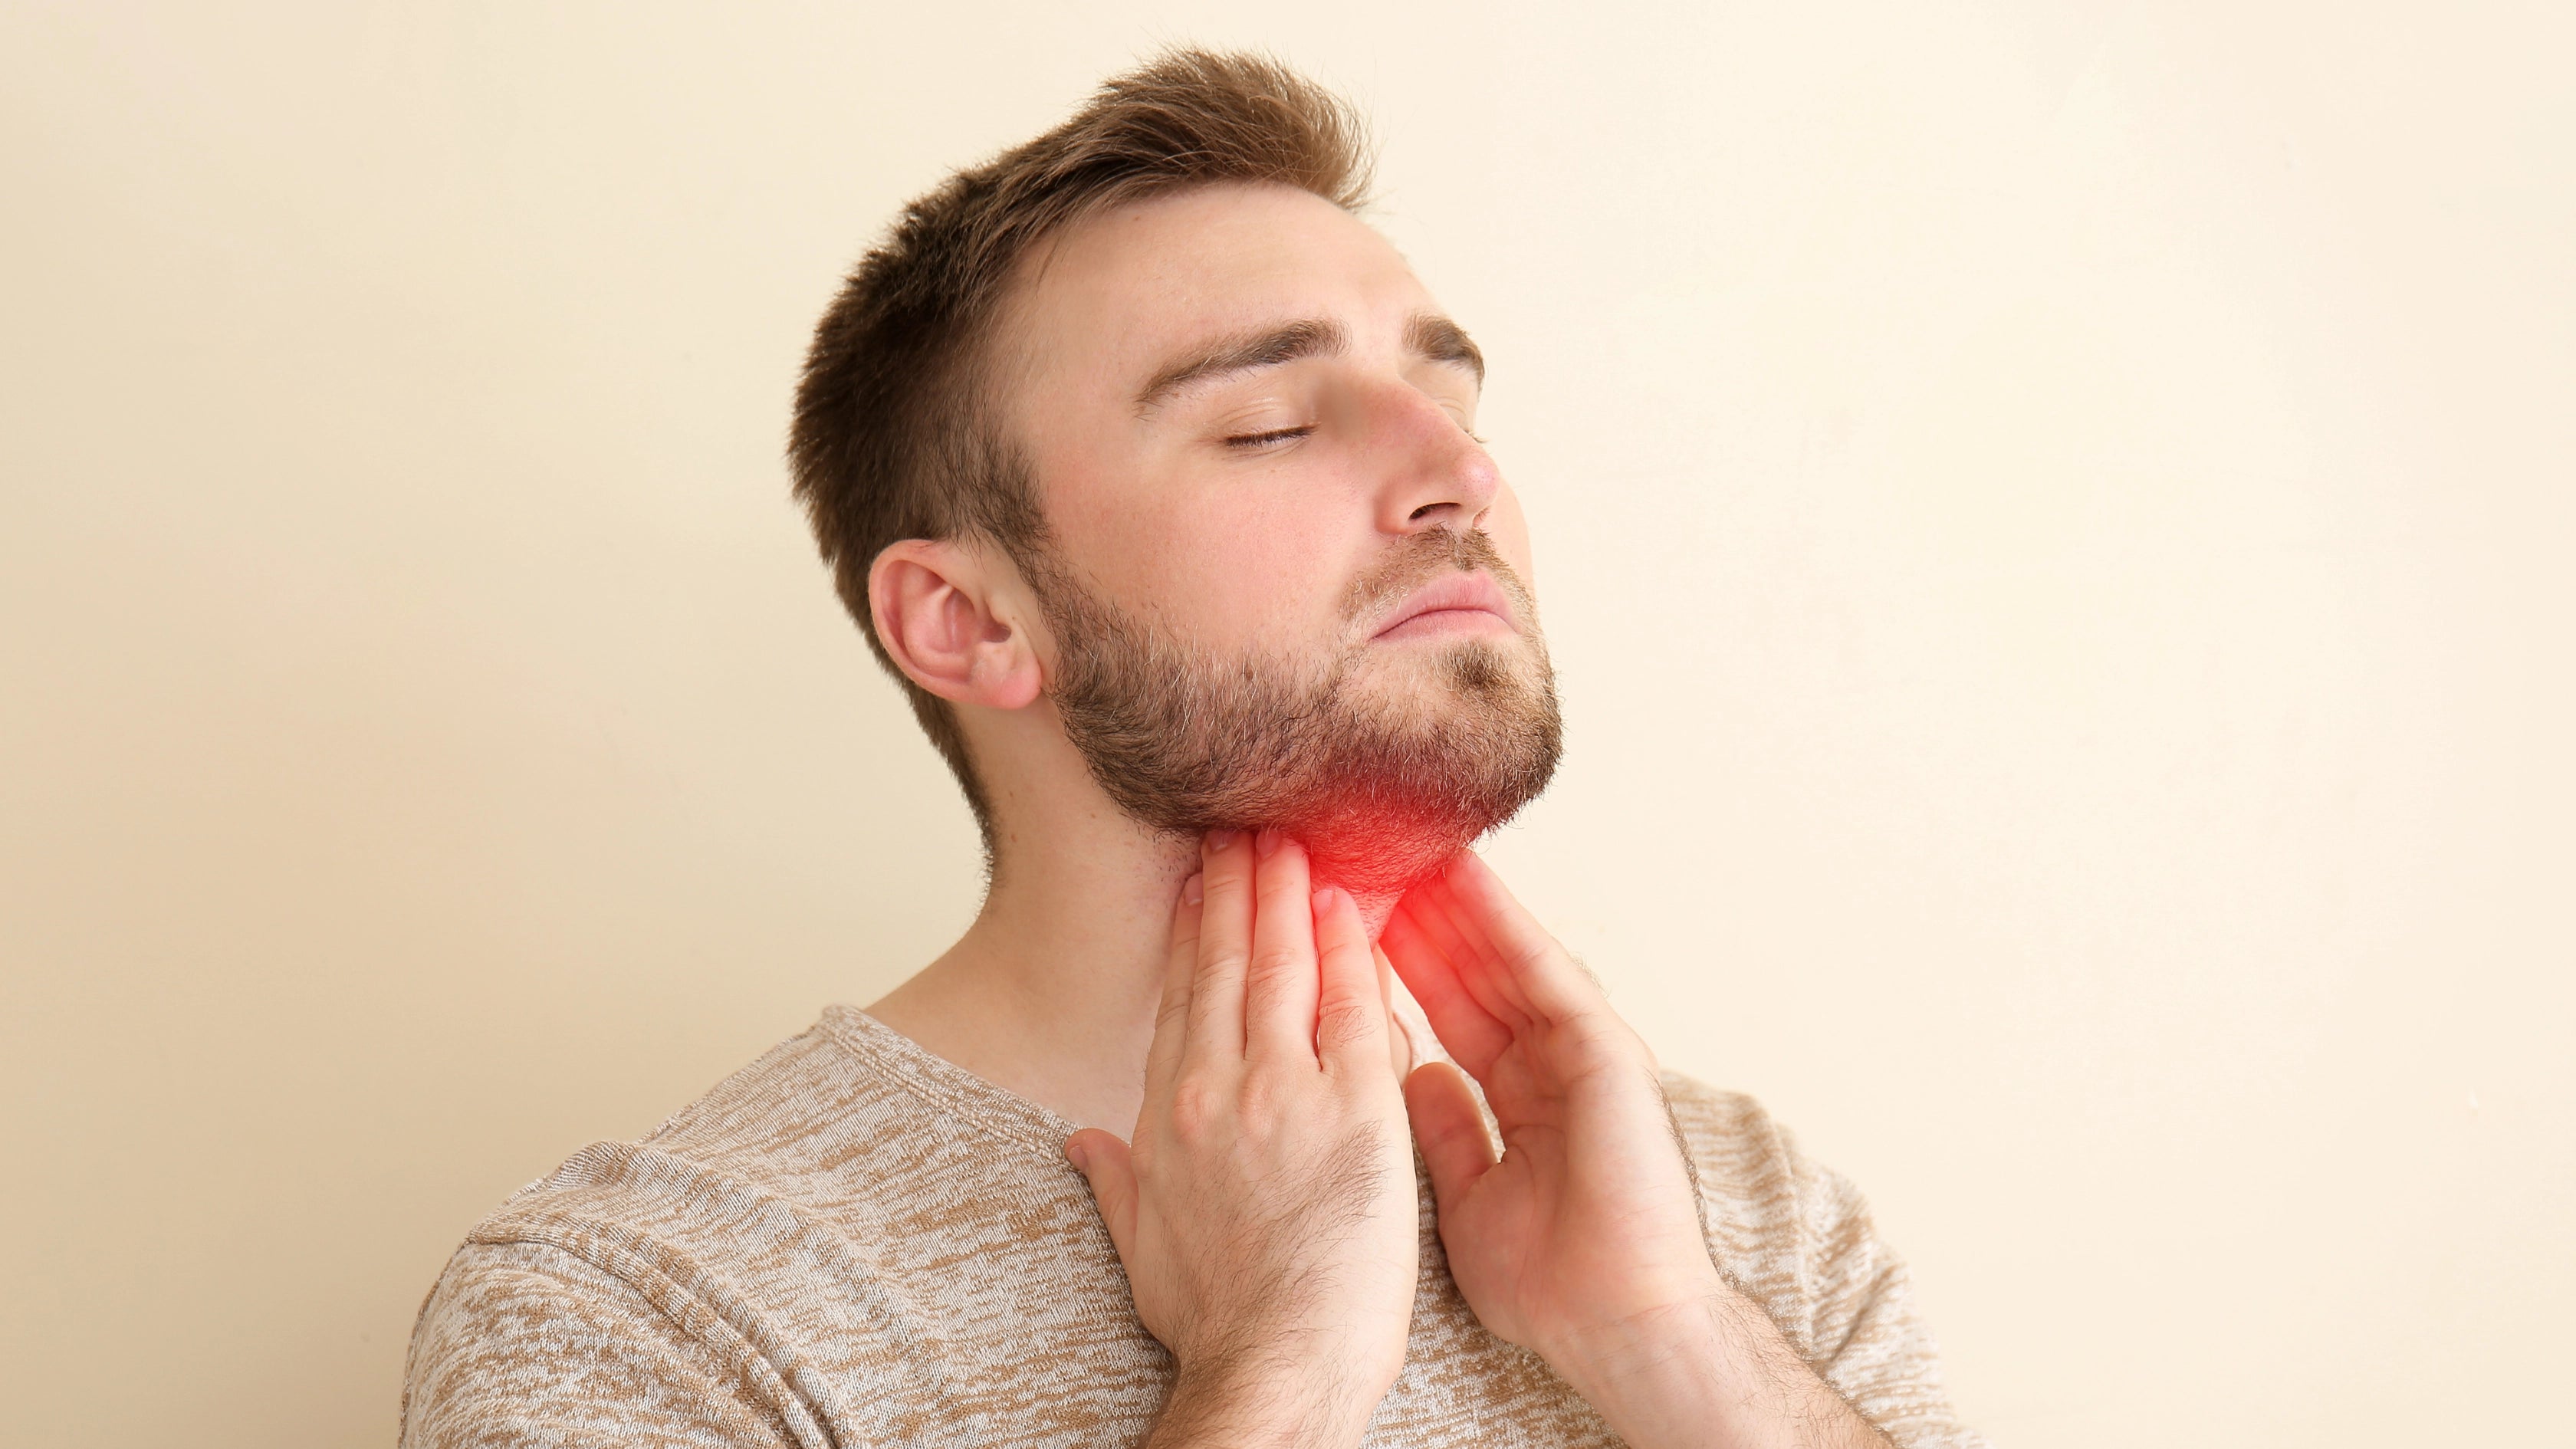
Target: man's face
<point>1286,585</point>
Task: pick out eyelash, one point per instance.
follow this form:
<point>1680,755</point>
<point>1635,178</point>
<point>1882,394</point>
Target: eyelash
<point>1281,435</point>
<point>1276,435</point>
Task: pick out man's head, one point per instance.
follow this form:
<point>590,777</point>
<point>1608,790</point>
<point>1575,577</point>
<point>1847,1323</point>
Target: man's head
<point>1139,428</point>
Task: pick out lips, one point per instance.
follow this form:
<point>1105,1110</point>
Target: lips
<point>1453,600</point>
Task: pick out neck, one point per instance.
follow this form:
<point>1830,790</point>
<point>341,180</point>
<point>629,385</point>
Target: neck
<point>1052,992</point>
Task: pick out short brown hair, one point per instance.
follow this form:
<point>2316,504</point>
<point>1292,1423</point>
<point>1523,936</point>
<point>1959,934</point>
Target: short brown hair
<point>893,438</point>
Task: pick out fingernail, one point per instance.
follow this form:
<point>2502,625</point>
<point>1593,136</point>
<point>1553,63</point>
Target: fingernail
<point>1194,889</point>
<point>1264,843</point>
<point>1073,1154</point>
<point>1323,899</point>
<point>1219,839</point>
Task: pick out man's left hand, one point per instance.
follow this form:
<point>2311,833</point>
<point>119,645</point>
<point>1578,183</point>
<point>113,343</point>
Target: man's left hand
<point>1581,1239</point>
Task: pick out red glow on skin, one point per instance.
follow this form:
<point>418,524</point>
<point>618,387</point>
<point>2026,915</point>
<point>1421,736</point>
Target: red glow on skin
<point>1377,838</point>
<point>1377,849</point>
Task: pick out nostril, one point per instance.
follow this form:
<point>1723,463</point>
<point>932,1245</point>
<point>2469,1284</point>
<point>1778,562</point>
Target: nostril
<point>1424,511</point>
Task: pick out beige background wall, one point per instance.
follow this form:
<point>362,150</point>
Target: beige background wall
<point>2054,522</point>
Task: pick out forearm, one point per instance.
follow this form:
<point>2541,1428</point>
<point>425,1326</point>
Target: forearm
<point>1713,1372</point>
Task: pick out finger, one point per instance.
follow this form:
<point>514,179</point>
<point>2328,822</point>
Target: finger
<point>1537,959</point>
<point>1350,1014</point>
<point>1102,1158</point>
<point>1450,1130</point>
<point>1279,984</point>
<point>1472,1034</point>
<point>1534,967</point>
<point>1225,944</point>
<point>1172,1019</point>
<point>1433,920</point>
<point>1402,1050</point>
<point>1435,962</point>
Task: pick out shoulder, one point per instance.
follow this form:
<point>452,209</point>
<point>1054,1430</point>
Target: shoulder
<point>656,1269</point>
<point>523,1343</point>
<point>732,1151</point>
<point>1789,1230</point>
<point>1796,1237</point>
<point>788,1127</point>
<point>780,1175</point>
<point>1726,1130</point>
<point>1751,1174</point>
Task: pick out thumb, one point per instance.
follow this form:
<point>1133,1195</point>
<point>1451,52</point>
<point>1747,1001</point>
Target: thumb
<point>1102,1157</point>
<point>1451,1129</point>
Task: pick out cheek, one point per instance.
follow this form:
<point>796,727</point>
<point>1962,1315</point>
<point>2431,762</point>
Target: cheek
<point>1138,549</point>
<point>1225,582</point>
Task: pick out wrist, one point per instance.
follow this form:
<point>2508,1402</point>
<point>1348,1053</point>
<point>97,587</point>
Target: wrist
<point>1266,1406</point>
<point>1680,1319</point>
<point>1660,1350</point>
<point>1711,1370</point>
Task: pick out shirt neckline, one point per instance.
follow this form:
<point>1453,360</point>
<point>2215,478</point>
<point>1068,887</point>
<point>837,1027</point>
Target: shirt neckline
<point>946,1087</point>
<point>998,1111</point>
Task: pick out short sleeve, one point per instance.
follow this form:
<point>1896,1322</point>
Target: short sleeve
<point>524,1345</point>
<point>1797,1238</point>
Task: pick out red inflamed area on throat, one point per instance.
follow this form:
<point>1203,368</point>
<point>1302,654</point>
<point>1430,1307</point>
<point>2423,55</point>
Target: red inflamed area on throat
<point>1377,847</point>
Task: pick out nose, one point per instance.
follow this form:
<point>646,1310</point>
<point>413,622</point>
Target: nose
<point>1436,476</point>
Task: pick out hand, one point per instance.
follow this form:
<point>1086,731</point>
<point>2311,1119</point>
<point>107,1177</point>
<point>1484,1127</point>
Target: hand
<point>1587,1218</point>
<point>1581,1240</point>
<point>1265,1209</point>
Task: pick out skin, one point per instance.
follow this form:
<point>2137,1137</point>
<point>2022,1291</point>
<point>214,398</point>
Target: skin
<point>1272,1107</point>
<point>1206,998</point>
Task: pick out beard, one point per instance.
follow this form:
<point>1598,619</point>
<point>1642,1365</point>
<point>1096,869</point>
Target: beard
<point>1382,787</point>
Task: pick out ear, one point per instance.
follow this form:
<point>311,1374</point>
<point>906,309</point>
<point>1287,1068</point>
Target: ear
<point>957,621</point>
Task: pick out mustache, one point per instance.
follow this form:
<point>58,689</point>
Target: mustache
<point>1429,555</point>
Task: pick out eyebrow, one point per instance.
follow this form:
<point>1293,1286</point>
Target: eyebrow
<point>1426,335</point>
<point>1437,339</point>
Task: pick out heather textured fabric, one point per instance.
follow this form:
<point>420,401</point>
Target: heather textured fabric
<point>853,1242</point>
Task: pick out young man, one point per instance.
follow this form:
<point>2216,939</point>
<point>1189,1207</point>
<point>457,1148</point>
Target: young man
<point>1151,472</point>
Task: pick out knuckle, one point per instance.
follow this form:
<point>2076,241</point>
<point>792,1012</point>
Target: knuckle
<point>1260,1101</point>
<point>1276,961</point>
<point>1342,1022</point>
<point>1197,1106</point>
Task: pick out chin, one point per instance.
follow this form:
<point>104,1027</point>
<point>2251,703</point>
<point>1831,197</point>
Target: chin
<point>1384,766</point>
<point>1396,815</point>
<point>1460,675</point>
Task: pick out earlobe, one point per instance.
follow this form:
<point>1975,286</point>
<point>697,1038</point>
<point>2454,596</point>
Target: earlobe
<point>936,611</point>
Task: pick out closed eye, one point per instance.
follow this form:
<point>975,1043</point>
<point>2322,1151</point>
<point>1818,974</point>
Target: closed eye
<point>1261,440</point>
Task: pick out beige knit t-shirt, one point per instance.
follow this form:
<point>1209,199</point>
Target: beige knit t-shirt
<point>853,1242</point>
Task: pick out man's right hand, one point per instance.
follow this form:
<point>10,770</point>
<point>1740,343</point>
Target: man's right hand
<point>1265,1210</point>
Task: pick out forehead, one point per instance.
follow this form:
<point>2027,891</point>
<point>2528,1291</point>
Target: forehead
<point>1104,305</point>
